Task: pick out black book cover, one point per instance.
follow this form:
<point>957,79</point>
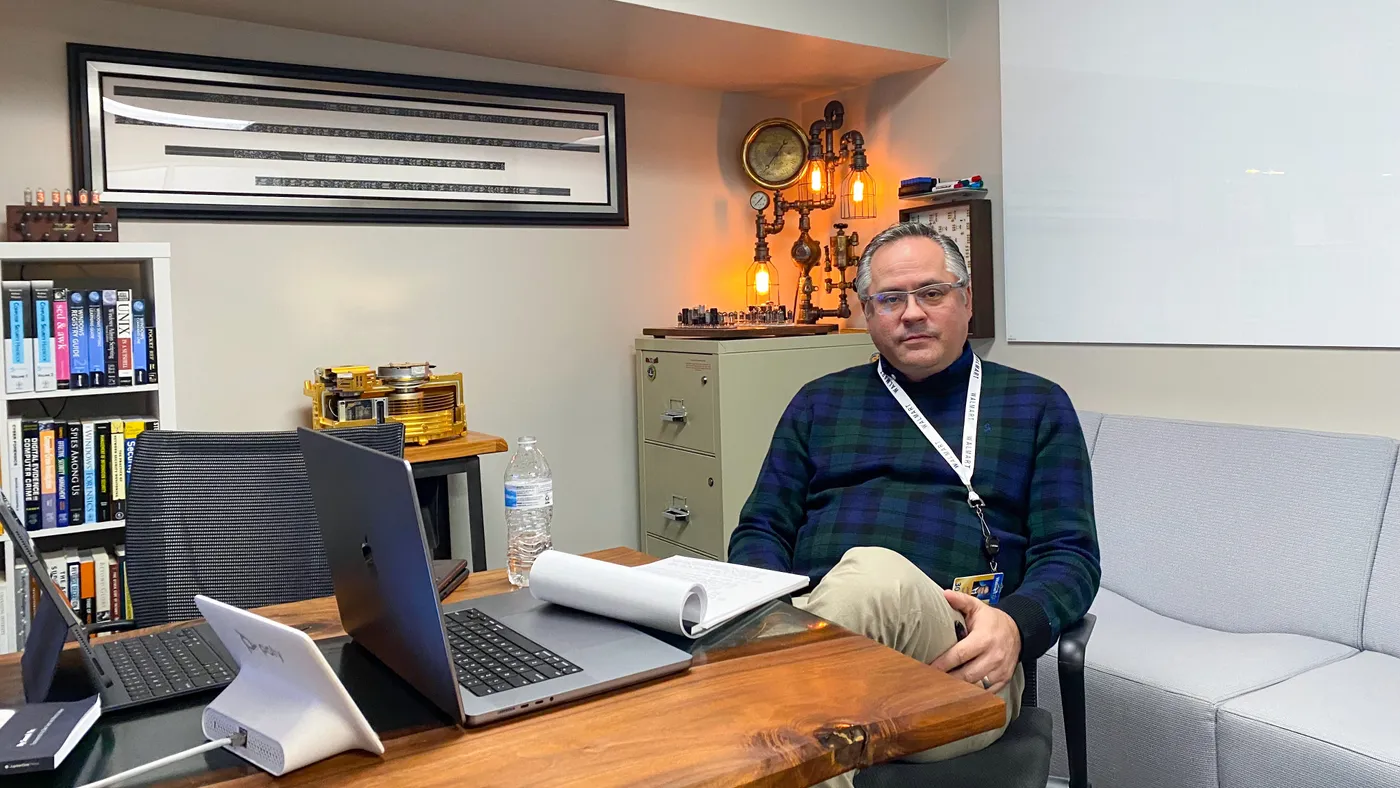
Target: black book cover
<point>102,433</point>
<point>109,336</point>
<point>32,513</point>
<point>76,501</point>
<point>151,347</point>
<point>37,737</point>
<point>62,467</point>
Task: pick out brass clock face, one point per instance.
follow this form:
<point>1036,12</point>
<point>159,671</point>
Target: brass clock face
<point>775,153</point>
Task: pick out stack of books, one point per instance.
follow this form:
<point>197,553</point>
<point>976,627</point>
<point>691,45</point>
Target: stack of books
<point>74,472</point>
<point>74,337</point>
<point>92,581</point>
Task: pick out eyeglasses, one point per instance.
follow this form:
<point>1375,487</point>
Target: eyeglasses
<point>931,296</point>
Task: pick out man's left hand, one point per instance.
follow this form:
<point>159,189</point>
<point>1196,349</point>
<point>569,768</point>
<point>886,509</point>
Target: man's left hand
<point>990,650</point>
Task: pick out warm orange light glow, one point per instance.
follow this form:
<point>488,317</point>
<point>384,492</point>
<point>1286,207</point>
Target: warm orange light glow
<point>760,282</point>
<point>816,177</point>
<point>858,190</point>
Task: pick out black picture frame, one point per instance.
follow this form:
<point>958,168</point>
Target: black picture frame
<point>393,99</point>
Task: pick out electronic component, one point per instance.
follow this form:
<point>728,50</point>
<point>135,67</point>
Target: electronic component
<point>429,406</point>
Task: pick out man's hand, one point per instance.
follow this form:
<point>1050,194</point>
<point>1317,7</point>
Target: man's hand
<point>990,650</point>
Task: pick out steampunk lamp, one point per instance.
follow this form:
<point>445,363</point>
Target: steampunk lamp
<point>777,157</point>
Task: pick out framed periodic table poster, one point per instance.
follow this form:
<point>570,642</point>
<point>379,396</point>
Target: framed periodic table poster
<point>969,223</point>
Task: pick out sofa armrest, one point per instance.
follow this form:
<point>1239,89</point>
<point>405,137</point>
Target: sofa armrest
<point>1073,642</point>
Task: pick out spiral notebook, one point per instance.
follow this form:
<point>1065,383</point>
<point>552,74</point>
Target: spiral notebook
<point>681,595</point>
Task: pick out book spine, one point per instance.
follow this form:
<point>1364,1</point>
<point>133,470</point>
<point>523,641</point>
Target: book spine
<point>138,342</point>
<point>19,338</point>
<point>97,345</point>
<point>77,341</point>
<point>104,584</point>
<point>32,516</point>
<point>61,471</point>
<point>103,430</point>
<point>125,370</point>
<point>87,585</point>
<point>14,466</point>
<point>151,353</point>
<point>58,572</point>
<point>133,430</point>
<point>127,614</point>
<point>45,369</point>
<point>48,501</point>
<point>115,566</point>
<point>90,472</point>
<point>118,455</point>
<point>109,336</point>
<point>76,513</point>
<point>75,575</point>
<point>61,356</point>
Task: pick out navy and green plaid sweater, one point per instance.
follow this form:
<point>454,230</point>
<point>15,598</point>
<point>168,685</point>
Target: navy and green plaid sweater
<point>847,468</point>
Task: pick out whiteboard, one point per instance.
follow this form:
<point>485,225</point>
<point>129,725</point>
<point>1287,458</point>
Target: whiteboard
<point>1201,171</point>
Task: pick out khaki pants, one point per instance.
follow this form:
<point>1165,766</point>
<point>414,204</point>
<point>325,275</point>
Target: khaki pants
<point>878,593</point>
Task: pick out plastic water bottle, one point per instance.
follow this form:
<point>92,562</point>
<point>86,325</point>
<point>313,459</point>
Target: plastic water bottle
<point>529,508</point>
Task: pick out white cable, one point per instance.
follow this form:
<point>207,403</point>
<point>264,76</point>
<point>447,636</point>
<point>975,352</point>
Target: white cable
<point>169,759</point>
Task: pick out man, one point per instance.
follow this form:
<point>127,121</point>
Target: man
<point>857,493</point>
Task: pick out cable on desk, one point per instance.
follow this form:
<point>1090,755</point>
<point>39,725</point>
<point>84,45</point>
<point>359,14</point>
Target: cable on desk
<point>237,740</point>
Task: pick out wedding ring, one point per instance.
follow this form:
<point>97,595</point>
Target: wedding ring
<point>986,684</point>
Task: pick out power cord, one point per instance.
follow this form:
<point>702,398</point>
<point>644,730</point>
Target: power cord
<point>239,739</point>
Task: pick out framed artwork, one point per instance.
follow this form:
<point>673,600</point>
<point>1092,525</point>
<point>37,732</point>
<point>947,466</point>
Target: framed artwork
<point>969,224</point>
<point>169,136</point>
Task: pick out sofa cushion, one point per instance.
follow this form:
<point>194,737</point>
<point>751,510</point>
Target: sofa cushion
<point>1383,602</point>
<point>1152,685</point>
<point>1234,528</point>
<point>1337,725</point>
<point>1089,423</point>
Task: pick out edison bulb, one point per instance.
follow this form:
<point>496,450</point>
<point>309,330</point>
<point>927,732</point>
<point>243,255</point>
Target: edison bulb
<point>858,190</point>
<point>760,282</point>
<point>816,177</point>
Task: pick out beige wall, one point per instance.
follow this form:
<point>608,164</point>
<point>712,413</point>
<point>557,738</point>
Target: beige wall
<point>946,123</point>
<point>541,321</point>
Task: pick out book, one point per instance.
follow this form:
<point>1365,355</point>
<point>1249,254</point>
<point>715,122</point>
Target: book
<point>679,595</point>
<point>125,371</point>
<point>36,737</point>
<point>90,472</point>
<point>97,340</point>
<point>19,337</point>
<point>448,573</point>
<point>118,468</point>
<point>138,342</point>
<point>61,355</point>
<point>109,336</point>
<point>32,515</point>
<point>48,477</point>
<point>77,470</point>
<point>45,368</point>
<point>61,477</point>
<point>77,341</point>
<point>103,435</point>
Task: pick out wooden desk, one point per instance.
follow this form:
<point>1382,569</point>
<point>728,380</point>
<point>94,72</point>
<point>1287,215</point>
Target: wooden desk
<point>778,698</point>
<point>432,464</point>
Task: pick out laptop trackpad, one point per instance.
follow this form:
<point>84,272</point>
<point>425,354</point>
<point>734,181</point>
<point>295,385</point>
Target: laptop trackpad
<point>556,627</point>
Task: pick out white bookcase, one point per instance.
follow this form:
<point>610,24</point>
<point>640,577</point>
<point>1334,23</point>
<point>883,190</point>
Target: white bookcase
<point>147,267</point>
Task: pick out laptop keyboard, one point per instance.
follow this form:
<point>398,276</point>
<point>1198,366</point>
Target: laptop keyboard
<point>166,663</point>
<point>492,657</point>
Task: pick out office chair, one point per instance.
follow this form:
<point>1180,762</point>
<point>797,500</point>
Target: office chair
<point>228,515</point>
<point>1021,757</point>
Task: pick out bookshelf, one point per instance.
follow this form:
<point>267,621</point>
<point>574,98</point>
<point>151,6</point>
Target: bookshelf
<point>143,268</point>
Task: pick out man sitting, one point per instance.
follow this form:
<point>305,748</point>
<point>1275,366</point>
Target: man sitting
<point>869,487</point>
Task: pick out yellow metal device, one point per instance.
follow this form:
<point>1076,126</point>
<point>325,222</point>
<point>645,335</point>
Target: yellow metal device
<point>429,406</point>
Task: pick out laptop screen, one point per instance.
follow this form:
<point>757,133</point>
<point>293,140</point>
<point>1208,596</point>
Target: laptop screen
<point>53,619</point>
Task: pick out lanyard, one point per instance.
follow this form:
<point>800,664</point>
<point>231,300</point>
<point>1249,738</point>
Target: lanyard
<point>962,466</point>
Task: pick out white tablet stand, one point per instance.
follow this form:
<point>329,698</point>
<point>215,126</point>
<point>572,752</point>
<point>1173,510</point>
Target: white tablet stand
<point>292,706</point>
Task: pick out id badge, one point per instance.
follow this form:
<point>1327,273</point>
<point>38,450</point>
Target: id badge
<point>985,587</point>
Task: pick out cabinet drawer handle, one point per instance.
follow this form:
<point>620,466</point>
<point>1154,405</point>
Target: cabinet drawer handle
<point>674,415</point>
<point>677,514</point>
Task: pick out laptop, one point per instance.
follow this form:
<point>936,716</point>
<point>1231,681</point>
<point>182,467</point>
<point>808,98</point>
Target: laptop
<point>127,673</point>
<point>481,660</point>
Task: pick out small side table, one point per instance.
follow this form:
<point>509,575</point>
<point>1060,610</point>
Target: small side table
<point>432,464</point>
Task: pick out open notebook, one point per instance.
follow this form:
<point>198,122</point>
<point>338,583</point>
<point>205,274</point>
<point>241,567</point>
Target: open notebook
<point>685,596</point>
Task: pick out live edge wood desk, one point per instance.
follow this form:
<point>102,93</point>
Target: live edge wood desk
<point>777,698</point>
<point>432,464</point>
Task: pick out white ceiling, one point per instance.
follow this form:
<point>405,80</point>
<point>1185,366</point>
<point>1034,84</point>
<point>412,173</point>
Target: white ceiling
<point>600,36</point>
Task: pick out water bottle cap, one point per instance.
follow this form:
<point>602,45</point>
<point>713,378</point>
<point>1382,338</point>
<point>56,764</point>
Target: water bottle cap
<point>526,440</point>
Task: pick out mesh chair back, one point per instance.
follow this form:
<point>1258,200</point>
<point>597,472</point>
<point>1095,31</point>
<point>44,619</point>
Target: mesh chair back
<point>228,515</point>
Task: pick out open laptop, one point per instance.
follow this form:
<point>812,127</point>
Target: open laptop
<point>127,673</point>
<point>481,660</point>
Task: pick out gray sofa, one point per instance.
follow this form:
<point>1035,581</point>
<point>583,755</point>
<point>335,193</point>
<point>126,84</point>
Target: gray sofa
<point>1249,618</point>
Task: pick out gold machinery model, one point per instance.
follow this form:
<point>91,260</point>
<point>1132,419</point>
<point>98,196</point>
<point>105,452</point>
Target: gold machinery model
<point>430,406</point>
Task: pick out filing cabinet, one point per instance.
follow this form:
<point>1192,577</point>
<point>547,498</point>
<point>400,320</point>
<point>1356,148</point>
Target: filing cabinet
<point>706,410</point>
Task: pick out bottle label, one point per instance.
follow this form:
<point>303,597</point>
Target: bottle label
<point>530,494</point>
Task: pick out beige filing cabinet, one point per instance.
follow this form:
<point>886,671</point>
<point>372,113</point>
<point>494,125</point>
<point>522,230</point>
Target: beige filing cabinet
<point>706,410</point>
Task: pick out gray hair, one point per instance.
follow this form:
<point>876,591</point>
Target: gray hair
<point>952,257</point>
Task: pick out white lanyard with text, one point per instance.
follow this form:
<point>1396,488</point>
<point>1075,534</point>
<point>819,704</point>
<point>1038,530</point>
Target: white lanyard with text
<point>961,466</point>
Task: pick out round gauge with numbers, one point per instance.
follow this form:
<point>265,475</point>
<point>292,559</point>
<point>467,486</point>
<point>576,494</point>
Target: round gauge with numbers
<point>775,153</point>
<point>759,201</point>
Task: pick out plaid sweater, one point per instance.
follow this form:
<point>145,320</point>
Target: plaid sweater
<point>848,468</point>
